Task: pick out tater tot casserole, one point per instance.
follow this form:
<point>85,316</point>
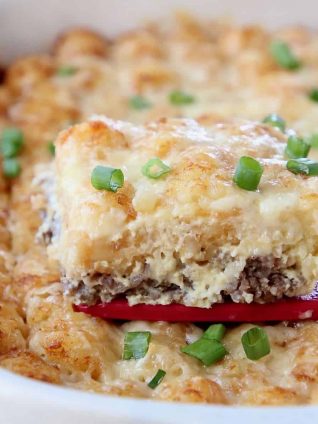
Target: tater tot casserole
<point>175,163</point>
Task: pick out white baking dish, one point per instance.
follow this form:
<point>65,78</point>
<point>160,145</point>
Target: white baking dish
<point>30,25</point>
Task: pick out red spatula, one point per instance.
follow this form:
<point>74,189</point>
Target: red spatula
<point>292,309</point>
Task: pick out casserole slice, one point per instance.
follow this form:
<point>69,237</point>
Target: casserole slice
<point>179,230</point>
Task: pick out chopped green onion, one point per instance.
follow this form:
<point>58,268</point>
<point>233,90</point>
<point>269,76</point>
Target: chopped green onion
<point>11,142</point>
<point>155,168</point>
<point>206,350</point>
<point>180,98</point>
<point>296,148</point>
<point>313,94</point>
<point>255,343</point>
<point>214,332</point>
<point>105,178</point>
<point>275,121</point>
<point>136,344</point>
<point>11,168</point>
<point>66,71</point>
<point>303,166</point>
<point>283,56</point>
<point>313,140</point>
<point>51,147</point>
<point>248,173</point>
<point>157,379</point>
<point>139,103</point>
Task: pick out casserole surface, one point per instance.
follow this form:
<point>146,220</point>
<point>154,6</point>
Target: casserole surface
<point>33,270</point>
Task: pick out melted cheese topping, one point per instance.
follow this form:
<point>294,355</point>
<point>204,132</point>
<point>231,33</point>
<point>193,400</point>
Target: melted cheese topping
<point>192,216</point>
<point>230,73</point>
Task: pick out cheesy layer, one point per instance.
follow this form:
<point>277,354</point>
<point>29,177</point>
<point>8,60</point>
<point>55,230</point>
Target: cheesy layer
<point>191,236</point>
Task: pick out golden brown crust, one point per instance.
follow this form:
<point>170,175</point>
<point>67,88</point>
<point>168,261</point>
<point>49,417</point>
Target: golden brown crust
<point>80,42</point>
<point>275,396</point>
<point>30,365</point>
<point>12,329</point>
<point>24,74</point>
<point>195,390</point>
<point>138,45</point>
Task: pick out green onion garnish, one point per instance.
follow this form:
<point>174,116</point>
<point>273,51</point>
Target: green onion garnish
<point>303,166</point>
<point>155,168</point>
<point>275,121</point>
<point>206,350</point>
<point>283,56</point>
<point>214,332</point>
<point>11,142</point>
<point>11,168</point>
<point>66,71</point>
<point>136,344</point>
<point>313,94</point>
<point>313,140</point>
<point>296,148</point>
<point>248,173</point>
<point>180,98</point>
<point>139,103</point>
<point>105,178</point>
<point>51,147</point>
<point>255,343</point>
<point>157,379</point>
